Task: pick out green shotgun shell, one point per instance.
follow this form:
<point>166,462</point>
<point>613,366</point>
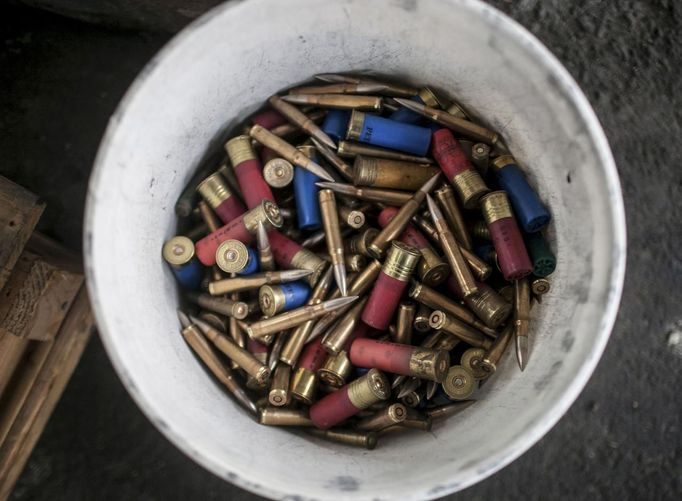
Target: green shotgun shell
<point>542,257</point>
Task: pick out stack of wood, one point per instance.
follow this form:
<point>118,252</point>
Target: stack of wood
<point>45,323</point>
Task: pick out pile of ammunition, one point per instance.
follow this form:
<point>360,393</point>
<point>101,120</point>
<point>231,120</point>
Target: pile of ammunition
<point>360,262</point>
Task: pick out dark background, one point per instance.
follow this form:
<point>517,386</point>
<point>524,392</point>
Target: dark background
<point>60,80</point>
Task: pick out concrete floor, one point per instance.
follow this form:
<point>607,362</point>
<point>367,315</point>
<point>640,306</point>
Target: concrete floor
<point>60,81</point>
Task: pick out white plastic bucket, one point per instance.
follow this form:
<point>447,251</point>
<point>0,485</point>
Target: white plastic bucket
<point>222,67</point>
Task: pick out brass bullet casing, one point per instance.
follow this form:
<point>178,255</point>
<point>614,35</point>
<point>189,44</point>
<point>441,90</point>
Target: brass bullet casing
<point>291,129</point>
<point>456,110</point>
<point>459,383</point>
<point>397,225</point>
<point>355,262</point>
<point>303,385</point>
<point>214,320</point>
<point>388,416</point>
<point>208,216</point>
<point>331,156</point>
<point>507,292</point>
<point>335,340</point>
<point>214,190</point>
<point>330,221</point>
<point>437,301</point>
<point>252,366</point>
<point>429,98</point>
<point>480,156</point>
<point>443,341</point>
<point>377,195</point>
<point>412,399</point>
<point>266,259</point>
<point>480,230</point>
<point>421,319</point>
<point>279,388</point>
<point>267,213</point>
<point>232,256</point>
<point>494,354</point>
<point>297,117</point>
<point>358,243</point>
<point>307,260</point>
<point>472,359</point>
<point>369,389</point>
<point>339,101</point>
<point>271,300</point>
<point>417,420</point>
<point>350,149</point>
<point>448,410</point>
<point>278,173</point>
<point>284,417</point>
<point>336,370</point>
<point>389,88</point>
<point>252,282</point>
<point>394,174</point>
<point>432,270</point>
<point>223,306</point>
<point>489,306</point>
<point>446,198</point>
<point>540,286</point>
<point>360,87</point>
<point>440,320</point>
<point>521,320</point>
<point>239,150</point>
<point>365,439</point>
<point>294,345</point>
<point>403,330</point>
<point>202,348</point>
<point>352,218</point>
<point>478,267</point>
<point>401,260</point>
<point>276,350</point>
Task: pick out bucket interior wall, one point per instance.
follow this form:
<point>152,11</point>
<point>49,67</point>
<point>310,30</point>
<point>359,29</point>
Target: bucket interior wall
<point>225,66</point>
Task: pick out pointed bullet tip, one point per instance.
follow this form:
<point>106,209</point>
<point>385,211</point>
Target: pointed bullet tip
<point>522,351</point>
<point>325,140</point>
<point>184,319</point>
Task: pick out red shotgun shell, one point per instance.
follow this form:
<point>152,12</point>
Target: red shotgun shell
<point>512,255</point>
<point>249,172</point>
<point>289,254</point>
<point>269,119</point>
<point>304,380</point>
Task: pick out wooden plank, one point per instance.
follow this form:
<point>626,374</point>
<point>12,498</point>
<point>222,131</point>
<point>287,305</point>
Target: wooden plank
<point>45,393</point>
<point>19,212</point>
<point>36,298</point>
<point>12,351</point>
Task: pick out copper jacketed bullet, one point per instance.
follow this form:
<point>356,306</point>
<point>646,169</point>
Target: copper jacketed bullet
<point>330,220</point>
<point>389,88</point>
<point>351,150</point>
<point>252,282</point>
<point>300,119</point>
<point>440,320</point>
<point>339,101</point>
<point>390,197</point>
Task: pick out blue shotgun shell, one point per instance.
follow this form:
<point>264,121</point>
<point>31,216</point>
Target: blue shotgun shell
<point>378,131</point>
<point>407,116</point>
<point>530,212</point>
<point>305,194</point>
<point>251,263</point>
<point>336,123</point>
<point>179,254</point>
<point>274,299</point>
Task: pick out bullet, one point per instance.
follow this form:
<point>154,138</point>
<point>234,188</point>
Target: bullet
<point>507,292</point>
<point>413,400</point>
<point>304,381</point>
<point>358,287</point>
<point>541,256</point>
<point>511,251</point>
<point>472,359</point>
<point>365,87</point>
<point>293,318</point>
<point>350,399</point>
<point>297,117</point>
<point>208,216</point>
<point>441,321</point>
<point>480,155</point>
<point>289,254</point>
<point>232,256</point>
<point>243,229</point>
<point>223,306</point>
<point>386,133</point>
<point>421,319</point>
<point>278,173</point>
<point>540,286</point>
<point>424,96</point>
<point>417,421</point>
<point>275,350</point>
<point>337,339</point>
<point>442,340</point>
<point>289,129</point>
<point>408,385</point>
<point>336,370</point>
<point>358,243</point>
<point>288,152</point>
<point>277,298</point>
<point>457,168</point>
<point>330,220</point>
<point>400,262</point>
<point>521,319</point>
<point>233,328</point>
<point>342,167</point>
<point>336,123</point>
<point>493,355</point>
<point>530,212</point>
<point>389,416</point>
<point>431,269</point>
<point>459,383</point>
<point>390,197</point>
<point>446,199</point>
<point>403,329</point>
<point>448,410</point>
<point>431,388</point>
<point>460,269</point>
<point>397,225</point>
<point>456,110</point>
<point>273,416</point>
<point>480,231</point>
<point>350,149</point>
<point>350,217</point>
<point>266,261</point>
<point>279,388</point>
<point>202,348</point>
<point>179,253</point>
<point>214,319</point>
<point>248,169</point>
<point>240,356</point>
<point>388,88</point>
<point>478,267</point>
<point>486,304</point>
<point>260,352</point>
<point>294,345</point>
<point>255,281</point>
<point>217,194</point>
<point>337,101</point>
<point>394,174</point>
<point>408,360</point>
<point>364,439</point>
<point>459,125</point>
